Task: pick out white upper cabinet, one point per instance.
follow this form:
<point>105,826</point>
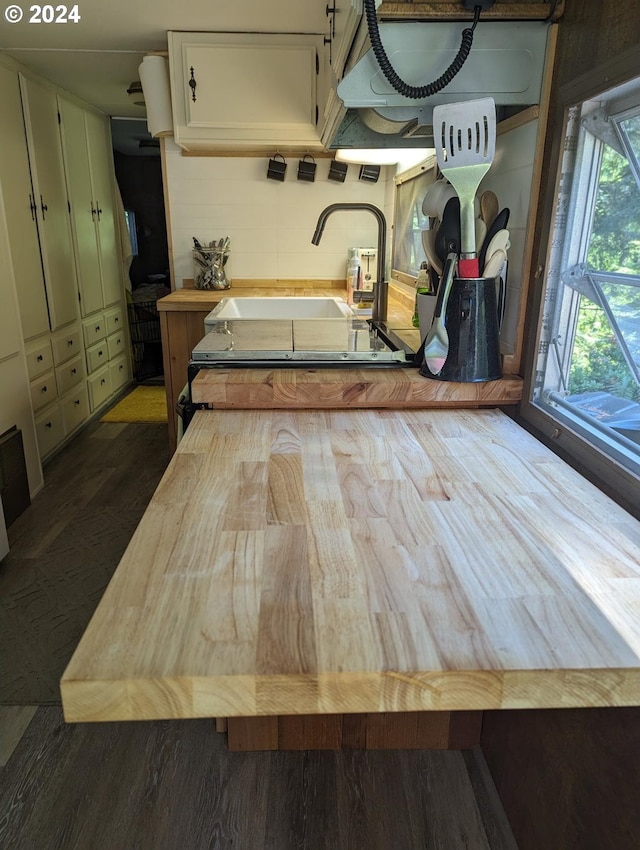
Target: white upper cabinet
<point>51,208</point>
<point>88,166</point>
<point>234,91</point>
<point>21,212</point>
<point>344,18</point>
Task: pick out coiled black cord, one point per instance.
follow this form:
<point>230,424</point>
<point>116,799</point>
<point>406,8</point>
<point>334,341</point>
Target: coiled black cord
<point>417,92</point>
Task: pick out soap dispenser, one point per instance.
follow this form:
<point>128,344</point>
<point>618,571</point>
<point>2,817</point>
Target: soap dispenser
<point>353,275</point>
<point>423,287</point>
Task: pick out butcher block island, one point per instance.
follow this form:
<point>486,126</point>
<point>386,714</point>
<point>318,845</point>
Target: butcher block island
<point>364,578</point>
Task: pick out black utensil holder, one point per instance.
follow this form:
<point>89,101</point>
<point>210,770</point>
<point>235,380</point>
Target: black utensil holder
<point>471,322</point>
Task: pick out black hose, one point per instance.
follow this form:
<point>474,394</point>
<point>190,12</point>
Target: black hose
<point>417,92</point>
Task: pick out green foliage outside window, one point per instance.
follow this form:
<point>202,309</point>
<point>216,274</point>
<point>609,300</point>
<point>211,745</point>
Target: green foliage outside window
<point>597,362</point>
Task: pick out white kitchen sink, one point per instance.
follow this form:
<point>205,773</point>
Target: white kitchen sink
<point>290,307</point>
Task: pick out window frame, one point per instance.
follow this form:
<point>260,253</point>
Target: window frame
<point>568,437</point>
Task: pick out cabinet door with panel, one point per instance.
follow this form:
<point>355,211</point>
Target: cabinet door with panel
<point>49,429</point>
<point>90,182</point>
<point>103,181</point>
<point>99,386</point>
<point>19,203</point>
<point>44,390</point>
<point>75,408</point>
<point>245,90</point>
<point>83,210</point>
<point>51,208</point>
<point>66,343</point>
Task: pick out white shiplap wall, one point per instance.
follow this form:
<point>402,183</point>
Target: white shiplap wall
<point>270,223</point>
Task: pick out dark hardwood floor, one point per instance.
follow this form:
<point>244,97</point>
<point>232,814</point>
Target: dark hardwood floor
<point>169,785</point>
<point>65,548</point>
<point>173,785</point>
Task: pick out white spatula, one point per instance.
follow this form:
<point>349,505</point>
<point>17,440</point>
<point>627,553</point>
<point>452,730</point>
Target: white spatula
<point>465,138</point>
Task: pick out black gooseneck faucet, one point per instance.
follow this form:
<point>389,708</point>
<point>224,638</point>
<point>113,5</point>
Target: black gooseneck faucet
<point>380,294</point>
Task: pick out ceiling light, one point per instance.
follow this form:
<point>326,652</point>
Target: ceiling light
<point>381,156</point>
<point>135,93</point>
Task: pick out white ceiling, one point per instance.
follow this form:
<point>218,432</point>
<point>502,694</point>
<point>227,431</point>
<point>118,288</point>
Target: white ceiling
<point>97,58</point>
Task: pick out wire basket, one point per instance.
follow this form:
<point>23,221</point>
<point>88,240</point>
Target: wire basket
<point>144,327</point>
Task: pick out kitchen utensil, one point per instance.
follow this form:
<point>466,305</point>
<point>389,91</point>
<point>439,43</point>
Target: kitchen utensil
<point>494,263</point>
<point>436,344</point>
<point>499,242</point>
<point>465,139</point>
<point>428,237</point>
<point>481,231</point>
<point>499,223</point>
<point>436,198</point>
<point>501,287</point>
<point>447,240</point>
<point>489,207</point>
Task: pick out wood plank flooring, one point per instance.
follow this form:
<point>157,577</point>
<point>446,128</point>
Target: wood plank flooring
<point>65,548</point>
<point>174,784</point>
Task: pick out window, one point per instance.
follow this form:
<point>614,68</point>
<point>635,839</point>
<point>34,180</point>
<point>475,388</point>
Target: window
<point>588,365</point>
<point>409,220</point>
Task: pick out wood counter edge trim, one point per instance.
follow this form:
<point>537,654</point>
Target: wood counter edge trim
<point>482,690</point>
<point>359,391</point>
<point>189,298</point>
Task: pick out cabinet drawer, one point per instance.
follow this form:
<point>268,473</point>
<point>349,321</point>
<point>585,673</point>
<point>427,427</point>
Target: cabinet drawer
<point>69,374</point>
<point>99,385</point>
<point>116,345</point>
<point>119,373</point>
<point>49,430</point>
<point>39,358</point>
<point>113,320</point>
<point>75,409</point>
<point>43,390</point>
<point>66,345</point>
<point>97,356</point>
<point>94,329</point>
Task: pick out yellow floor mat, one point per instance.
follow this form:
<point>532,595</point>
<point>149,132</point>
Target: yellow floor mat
<point>143,404</point>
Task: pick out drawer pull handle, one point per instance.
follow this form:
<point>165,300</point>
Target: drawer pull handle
<point>43,389</point>
<point>116,320</point>
<point>69,342</point>
<point>74,371</point>
<point>103,382</point>
<point>100,354</point>
<point>77,402</point>
<point>97,327</point>
<point>48,425</point>
<point>39,358</point>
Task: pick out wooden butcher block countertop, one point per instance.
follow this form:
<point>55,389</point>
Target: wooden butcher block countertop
<point>301,562</point>
<point>401,387</point>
